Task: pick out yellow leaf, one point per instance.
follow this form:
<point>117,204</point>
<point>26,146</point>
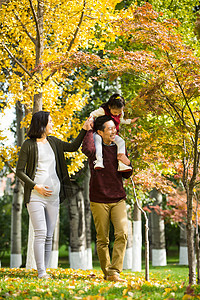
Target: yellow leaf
<point>187,297</point>
<point>167,290</point>
<point>125,292</point>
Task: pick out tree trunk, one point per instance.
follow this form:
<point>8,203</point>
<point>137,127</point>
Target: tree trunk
<point>197,240</point>
<point>53,262</point>
<point>37,106</point>
<point>30,260</point>
<point>150,237</point>
<point>77,251</point>
<point>88,217</point>
<point>37,103</point>
<point>190,193</point>
<point>137,240</point>
<point>39,49</point>
<point>190,239</point>
<point>183,250</point>
<point>127,264</point>
<point>198,254</point>
<point>158,233</point>
<point>16,255</point>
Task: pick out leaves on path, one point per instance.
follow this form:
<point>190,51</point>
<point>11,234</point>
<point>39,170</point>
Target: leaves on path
<point>90,285</point>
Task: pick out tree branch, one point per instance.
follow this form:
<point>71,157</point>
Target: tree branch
<point>173,106</point>
<point>177,112</point>
<point>77,28</point>
<point>8,164</point>
<point>25,29</point>
<point>196,159</point>
<point>36,20</point>
<point>182,91</point>
<point>11,168</point>
<point>16,60</point>
<point>74,37</point>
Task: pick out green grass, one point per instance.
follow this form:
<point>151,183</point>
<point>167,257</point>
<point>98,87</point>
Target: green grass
<point>165,283</point>
<point>168,282</point>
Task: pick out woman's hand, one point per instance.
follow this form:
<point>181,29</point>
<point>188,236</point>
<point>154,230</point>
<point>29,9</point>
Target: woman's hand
<point>43,190</point>
<point>88,124</point>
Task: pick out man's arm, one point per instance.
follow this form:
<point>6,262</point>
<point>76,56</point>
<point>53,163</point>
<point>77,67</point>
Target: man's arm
<point>88,147</point>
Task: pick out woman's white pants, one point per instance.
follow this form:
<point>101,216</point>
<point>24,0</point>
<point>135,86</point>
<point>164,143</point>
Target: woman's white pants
<point>43,214</point>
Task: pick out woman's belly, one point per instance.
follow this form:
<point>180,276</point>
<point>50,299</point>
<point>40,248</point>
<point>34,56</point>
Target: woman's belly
<point>52,182</point>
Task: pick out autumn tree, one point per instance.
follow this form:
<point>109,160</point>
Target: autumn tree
<point>35,33</point>
<point>170,89</point>
<point>167,100</point>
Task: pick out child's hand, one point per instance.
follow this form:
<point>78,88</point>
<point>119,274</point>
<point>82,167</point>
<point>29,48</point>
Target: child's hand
<point>133,120</point>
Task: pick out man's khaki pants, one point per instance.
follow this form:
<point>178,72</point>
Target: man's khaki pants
<point>102,215</point>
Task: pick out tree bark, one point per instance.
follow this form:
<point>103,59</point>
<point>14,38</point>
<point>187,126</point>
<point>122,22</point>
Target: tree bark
<point>30,260</point>
<point>77,251</point>
<point>53,262</point>
<point>190,194</point>
<point>158,233</point>
<point>137,240</point>
<point>128,257</point>
<point>39,49</point>
<point>190,240</point>
<point>88,217</point>
<point>37,103</point>
<point>183,250</point>
<point>16,256</point>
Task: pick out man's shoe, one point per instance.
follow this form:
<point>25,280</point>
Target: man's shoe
<point>98,164</point>
<point>115,278</point>
<point>123,168</point>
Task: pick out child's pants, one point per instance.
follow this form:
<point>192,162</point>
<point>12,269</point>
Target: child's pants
<point>43,214</point>
<point>98,145</point>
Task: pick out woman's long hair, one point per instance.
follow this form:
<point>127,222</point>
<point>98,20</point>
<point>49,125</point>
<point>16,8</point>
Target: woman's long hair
<point>38,125</point>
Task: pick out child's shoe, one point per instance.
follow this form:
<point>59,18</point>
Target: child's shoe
<point>123,168</point>
<point>98,164</point>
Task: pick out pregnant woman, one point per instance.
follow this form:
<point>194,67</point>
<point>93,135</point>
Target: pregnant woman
<point>42,168</point>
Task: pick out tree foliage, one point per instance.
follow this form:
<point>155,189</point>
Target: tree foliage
<point>34,33</point>
<point>169,93</point>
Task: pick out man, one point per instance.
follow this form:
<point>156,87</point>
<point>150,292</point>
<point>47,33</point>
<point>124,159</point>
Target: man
<point>107,198</point>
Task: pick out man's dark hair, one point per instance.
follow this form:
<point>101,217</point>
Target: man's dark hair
<point>100,121</point>
<point>38,125</point>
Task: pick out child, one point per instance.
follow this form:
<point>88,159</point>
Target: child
<point>114,108</point>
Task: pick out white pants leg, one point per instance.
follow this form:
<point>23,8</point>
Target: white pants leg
<point>98,145</point>
<point>120,144</point>
<point>43,214</point>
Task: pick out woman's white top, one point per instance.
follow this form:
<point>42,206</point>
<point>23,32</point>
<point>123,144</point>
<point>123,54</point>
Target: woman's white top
<point>46,172</point>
